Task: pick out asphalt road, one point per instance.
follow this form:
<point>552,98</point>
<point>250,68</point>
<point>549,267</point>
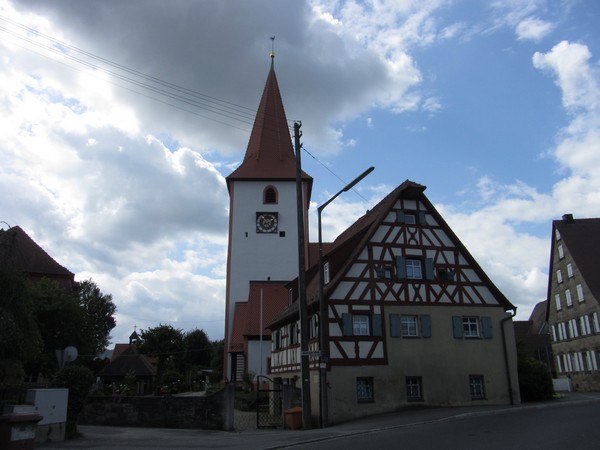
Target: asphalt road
<point>569,427</point>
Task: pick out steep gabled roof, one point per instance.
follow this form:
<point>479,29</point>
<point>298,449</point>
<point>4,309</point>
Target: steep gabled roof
<point>270,154</point>
<point>348,245</point>
<point>19,252</point>
<point>129,360</point>
<point>582,239</point>
<point>274,299</point>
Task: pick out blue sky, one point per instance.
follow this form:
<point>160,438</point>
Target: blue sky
<point>493,105</point>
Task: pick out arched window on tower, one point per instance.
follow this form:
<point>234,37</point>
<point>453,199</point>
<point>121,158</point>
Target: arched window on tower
<point>270,195</point>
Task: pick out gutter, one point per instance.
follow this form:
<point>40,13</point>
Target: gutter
<point>506,364</point>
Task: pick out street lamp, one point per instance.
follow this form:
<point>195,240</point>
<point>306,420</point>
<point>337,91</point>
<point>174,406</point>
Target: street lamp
<point>322,311</point>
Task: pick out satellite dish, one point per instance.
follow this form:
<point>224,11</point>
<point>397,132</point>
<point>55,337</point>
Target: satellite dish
<point>69,354</point>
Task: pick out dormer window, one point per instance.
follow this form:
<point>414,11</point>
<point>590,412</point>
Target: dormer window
<point>270,196</point>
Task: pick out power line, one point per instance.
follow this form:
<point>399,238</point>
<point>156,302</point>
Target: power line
<point>228,110</point>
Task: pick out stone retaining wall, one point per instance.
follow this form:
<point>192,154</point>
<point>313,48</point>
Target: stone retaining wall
<point>209,412</point>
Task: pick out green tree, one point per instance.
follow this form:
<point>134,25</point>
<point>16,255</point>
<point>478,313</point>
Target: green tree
<point>60,320</point>
<point>216,363</point>
<point>99,312</point>
<point>164,342</point>
<point>19,334</point>
<point>198,348</point>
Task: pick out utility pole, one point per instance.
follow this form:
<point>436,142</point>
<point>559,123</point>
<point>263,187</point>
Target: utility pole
<point>304,363</point>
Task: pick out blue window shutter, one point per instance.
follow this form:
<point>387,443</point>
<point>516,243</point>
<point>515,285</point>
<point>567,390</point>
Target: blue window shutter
<point>486,325</point>
<point>377,327</point>
<point>400,216</point>
<point>425,326</point>
<point>347,328</point>
<point>400,267</point>
<point>429,268</point>
<point>422,219</point>
<point>457,327</point>
<point>394,325</point>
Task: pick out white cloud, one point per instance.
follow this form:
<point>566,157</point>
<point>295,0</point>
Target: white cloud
<point>533,29</point>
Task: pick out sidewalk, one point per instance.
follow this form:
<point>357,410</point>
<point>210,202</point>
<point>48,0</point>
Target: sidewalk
<point>99,438</point>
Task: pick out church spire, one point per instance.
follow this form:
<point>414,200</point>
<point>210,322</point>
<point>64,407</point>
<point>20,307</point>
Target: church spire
<point>270,154</point>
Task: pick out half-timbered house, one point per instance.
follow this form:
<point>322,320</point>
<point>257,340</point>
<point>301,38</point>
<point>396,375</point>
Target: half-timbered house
<point>411,318</point>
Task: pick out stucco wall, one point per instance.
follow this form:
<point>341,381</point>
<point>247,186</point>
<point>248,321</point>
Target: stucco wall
<point>443,362</point>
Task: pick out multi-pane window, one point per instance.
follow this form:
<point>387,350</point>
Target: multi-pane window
<point>470,327</point>
<point>413,269</point>
<point>476,387</point>
<point>384,272</point>
<point>360,325</point>
<point>570,270</point>
<point>364,389</point>
<point>559,276</point>
<point>557,301</point>
<point>568,297</point>
<point>580,293</point>
<point>410,219</point>
<point>409,326</point>
<point>414,391</point>
<point>561,252</point>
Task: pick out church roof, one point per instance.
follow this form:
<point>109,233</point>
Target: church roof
<point>270,154</point>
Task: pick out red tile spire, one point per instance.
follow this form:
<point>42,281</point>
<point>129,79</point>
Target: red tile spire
<point>270,154</point>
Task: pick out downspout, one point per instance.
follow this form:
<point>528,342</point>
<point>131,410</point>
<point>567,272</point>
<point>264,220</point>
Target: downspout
<point>506,364</point>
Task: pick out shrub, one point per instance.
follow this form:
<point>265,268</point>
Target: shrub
<point>535,381</point>
<point>78,380</point>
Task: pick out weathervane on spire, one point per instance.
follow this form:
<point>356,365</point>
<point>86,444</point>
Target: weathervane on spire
<point>272,47</point>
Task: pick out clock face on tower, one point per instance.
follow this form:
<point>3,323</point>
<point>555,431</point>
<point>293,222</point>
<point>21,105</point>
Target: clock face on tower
<point>266,222</point>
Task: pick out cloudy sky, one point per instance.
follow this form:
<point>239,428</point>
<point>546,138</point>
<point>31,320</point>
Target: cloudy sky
<point>120,120</point>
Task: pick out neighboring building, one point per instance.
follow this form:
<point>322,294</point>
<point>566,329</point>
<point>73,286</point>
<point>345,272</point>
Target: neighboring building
<point>250,345</point>
<point>21,253</point>
<point>412,319</point>
<point>533,337</point>
<point>125,363</point>
<point>573,300</point>
<point>263,225</point>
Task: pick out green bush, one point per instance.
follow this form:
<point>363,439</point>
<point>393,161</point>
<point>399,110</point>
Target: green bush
<point>535,381</point>
<point>78,380</point>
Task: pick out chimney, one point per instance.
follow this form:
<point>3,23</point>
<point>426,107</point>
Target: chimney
<point>568,218</point>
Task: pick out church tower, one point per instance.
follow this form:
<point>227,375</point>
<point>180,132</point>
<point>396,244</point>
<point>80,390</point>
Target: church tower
<point>263,226</point>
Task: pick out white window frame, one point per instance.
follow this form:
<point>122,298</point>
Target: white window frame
<point>414,269</point>
<point>559,279</point>
<point>414,389</point>
<point>568,297</point>
<point>409,326</point>
<point>554,333</point>
<point>557,234</point>
<point>596,322</point>
<point>580,296</point>
<point>570,270</point>
<point>470,325</point>
<point>326,273</point>
<point>360,325</point>
<point>477,387</point>
<point>558,363</point>
<point>561,252</point>
<point>557,301</point>
<point>410,218</point>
